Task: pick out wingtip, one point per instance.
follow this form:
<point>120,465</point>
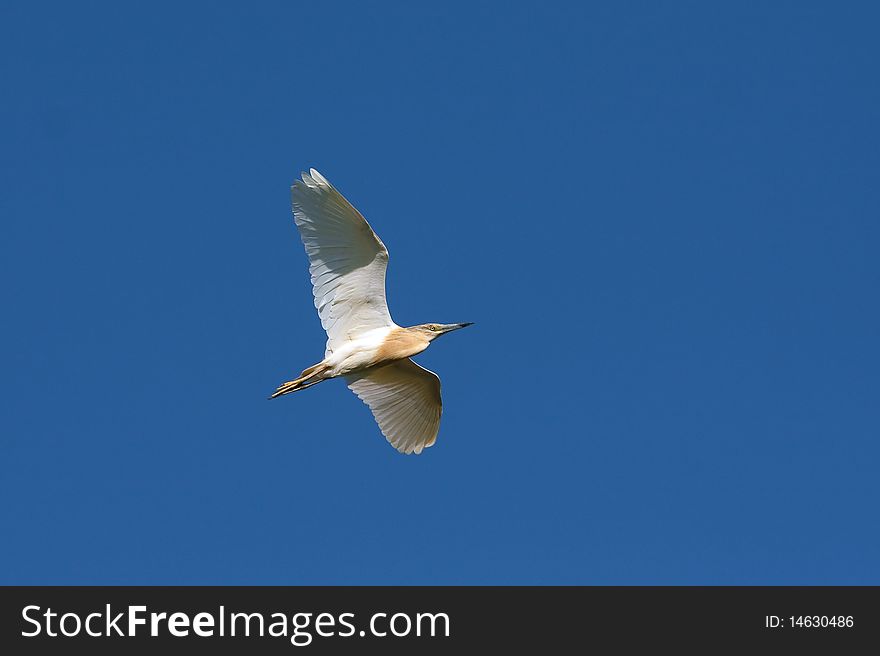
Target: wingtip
<point>310,180</point>
<point>317,177</point>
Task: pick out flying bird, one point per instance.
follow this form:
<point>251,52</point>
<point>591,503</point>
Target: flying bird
<point>347,263</point>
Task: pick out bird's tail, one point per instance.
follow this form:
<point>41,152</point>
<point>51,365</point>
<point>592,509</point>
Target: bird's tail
<point>311,376</point>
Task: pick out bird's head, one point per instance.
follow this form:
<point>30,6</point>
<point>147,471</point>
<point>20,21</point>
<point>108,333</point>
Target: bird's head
<point>434,330</point>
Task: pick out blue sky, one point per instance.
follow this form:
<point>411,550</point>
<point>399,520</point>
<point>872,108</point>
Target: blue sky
<point>663,220</point>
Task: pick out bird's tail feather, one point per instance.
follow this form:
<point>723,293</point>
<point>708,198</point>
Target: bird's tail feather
<point>311,376</point>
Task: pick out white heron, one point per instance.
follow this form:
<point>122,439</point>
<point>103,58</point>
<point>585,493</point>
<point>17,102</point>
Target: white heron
<point>347,262</point>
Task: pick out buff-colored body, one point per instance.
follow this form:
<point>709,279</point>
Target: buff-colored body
<point>370,350</point>
<point>375,348</point>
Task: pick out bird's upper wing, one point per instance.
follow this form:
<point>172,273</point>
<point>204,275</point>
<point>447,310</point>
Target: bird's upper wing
<point>405,400</point>
<point>347,260</point>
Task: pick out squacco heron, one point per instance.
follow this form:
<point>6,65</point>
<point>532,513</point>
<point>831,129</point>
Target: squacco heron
<point>347,262</point>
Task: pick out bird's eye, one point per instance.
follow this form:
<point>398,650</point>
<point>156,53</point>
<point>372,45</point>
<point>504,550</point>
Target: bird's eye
<point>432,327</point>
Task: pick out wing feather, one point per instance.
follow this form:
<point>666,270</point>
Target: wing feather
<point>405,401</point>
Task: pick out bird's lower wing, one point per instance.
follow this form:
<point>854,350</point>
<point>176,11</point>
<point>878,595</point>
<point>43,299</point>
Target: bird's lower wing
<point>405,400</point>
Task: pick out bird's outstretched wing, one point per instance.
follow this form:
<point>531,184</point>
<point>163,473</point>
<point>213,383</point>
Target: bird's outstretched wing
<point>347,260</point>
<point>405,400</point>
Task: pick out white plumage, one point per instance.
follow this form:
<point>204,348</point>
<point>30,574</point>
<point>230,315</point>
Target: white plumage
<point>347,261</point>
<point>405,400</point>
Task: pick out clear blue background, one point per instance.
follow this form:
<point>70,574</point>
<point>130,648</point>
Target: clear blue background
<point>663,220</point>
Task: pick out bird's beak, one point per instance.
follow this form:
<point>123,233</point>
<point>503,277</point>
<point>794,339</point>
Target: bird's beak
<point>449,327</point>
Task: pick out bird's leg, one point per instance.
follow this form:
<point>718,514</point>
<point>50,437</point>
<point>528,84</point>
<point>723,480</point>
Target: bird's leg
<point>311,376</point>
<point>291,386</point>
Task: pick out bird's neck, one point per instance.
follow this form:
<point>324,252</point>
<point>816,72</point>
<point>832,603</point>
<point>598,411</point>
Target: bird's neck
<point>401,343</point>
